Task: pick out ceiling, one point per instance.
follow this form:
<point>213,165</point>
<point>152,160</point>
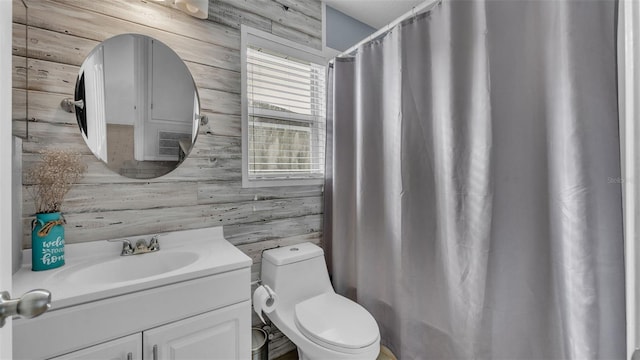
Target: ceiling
<point>375,13</point>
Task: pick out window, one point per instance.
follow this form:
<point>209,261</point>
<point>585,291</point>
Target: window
<point>283,112</point>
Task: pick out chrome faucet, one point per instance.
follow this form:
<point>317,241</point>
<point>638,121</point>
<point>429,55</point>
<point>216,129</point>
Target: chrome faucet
<point>140,248</point>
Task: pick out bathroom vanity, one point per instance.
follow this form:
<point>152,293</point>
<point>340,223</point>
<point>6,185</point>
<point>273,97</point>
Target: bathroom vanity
<point>190,299</point>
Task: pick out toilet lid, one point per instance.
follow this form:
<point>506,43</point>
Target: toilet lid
<point>335,320</point>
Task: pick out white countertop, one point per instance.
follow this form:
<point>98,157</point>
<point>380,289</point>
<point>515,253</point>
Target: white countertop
<point>214,255</point>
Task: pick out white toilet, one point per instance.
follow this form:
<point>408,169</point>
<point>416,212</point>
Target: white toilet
<point>322,324</point>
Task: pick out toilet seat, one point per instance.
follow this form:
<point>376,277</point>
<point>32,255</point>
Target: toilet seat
<point>335,322</point>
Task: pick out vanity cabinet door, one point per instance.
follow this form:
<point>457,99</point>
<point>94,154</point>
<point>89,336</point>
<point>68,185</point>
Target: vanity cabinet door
<point>126,348</point>
<point>221,334</point>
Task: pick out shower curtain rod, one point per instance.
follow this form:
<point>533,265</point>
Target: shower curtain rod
<point>425,6</point>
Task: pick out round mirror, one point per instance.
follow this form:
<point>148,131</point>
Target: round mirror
<point>137,106</point>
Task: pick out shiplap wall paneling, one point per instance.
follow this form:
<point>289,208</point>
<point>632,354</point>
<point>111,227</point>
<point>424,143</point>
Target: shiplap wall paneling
<point>19,73</point>
<point>52,39</point>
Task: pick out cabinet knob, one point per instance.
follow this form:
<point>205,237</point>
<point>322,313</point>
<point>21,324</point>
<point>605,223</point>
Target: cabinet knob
<point>130,356</point>
<point>155,352</point>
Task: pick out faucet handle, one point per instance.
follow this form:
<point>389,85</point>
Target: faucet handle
<point>154,245</point>
<point>127,249</point>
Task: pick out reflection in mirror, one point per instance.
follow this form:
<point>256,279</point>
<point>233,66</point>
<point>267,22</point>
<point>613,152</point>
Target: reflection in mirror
<point>140,107</point>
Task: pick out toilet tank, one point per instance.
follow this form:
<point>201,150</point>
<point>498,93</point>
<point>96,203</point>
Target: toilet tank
<point>295,272</point>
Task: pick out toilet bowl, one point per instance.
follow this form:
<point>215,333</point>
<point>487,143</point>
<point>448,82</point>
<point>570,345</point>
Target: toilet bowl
<point>321,323</point>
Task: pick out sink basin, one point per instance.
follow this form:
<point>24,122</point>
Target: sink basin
<point>134,267</point>
<point>95,270</point>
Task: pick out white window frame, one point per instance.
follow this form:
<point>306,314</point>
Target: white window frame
<point>258,38</point>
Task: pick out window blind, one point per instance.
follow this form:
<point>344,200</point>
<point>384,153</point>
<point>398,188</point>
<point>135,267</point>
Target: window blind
<point>285,116</point>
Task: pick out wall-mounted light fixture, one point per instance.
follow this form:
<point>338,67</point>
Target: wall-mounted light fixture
<point>196,8</point>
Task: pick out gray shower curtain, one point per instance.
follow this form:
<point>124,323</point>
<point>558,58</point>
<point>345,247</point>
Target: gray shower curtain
<point>475,182</point>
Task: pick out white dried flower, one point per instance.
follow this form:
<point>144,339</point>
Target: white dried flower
<point>53,177</point>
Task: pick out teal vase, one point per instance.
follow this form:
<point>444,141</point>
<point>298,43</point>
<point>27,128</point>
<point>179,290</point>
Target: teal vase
<point>47,241</point>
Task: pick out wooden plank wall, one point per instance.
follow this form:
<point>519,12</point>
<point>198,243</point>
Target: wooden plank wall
<point>51,40</point>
